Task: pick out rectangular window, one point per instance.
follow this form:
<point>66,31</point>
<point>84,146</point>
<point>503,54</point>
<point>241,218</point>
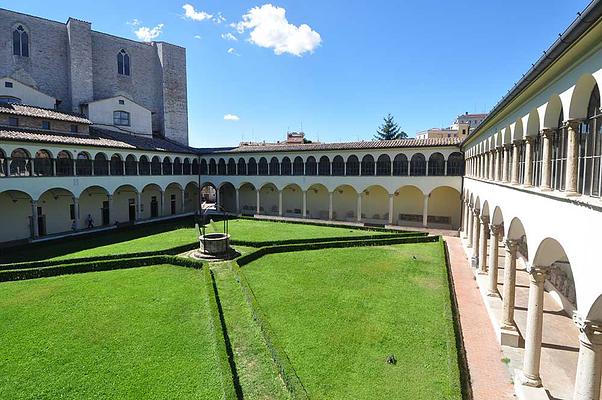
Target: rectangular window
<point>72,211</point>
<point>13,121</point>
<point>8,84</point>
<point>121,102</point>
<point>74,128</point>
<point>121,118</point>
<point>45,124</point>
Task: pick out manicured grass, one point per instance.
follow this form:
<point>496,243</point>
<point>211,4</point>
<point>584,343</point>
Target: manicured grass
<point>340,312</point>
<point>136,333</point>
<point>165,235</point>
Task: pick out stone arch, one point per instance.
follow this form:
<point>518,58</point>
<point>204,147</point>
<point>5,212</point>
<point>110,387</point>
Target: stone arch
<point>241,167</point>
<point>125,204</point>
<point>94,202</point>
<point>532,124</point>
<point>311,167</point>
<point>324,166</point>
<point>292,200</point>
<point>298,166</point>
<point>317,201</point>
<point>436,164</point>
<point>338,166</point>
<point>400,165</point>
<point>268,199</point>
<point>167,167</point>
<point>43,163</point>
<point>130,165</point>
<point>286,166</point>
<point>383,165</point>
<point>204,169</point>
<point>195,167</point>
<point>497,217</point>
<point>64,163</point>
<point>375,204</point>
<point>455,164</point>
<point>368,165</point>
<point>274,166</point>
<point>208,192</point>
<point>252,166</point>
<point>186,166</point>
<point>116,165</point>
<point>550,112</point>
<point>353,166</point>
<point>231,168</point>
<point>83,164</point>
<point>212,167</point>
<point>408,206</point>
<point>174,199</point>
<point>579,98</point>
<point>57,207</point>
<point>151,201</point>
<point>177,166</point>
<point>516,231</point>
<point>344,203</point>
<point>15,212</point>
<point>227,197</point>
<point>221,167</point>
<point>418,165</point>
<point>262,167</point>
<point>247,195</point>
<point>20,164</point>
<point>444,208</point>
<point>191,197</point>
<point>516,130</point>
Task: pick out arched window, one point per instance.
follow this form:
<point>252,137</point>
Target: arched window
<point>590,148</point>
<point>353,166</point>
<point>400,165</point>
<point>121,118</point>
<point>116,165</point>
<point>231,167</point>
<point>263,166</point>
<point>20,42</point>
<point>204,169</point>
<point>298,168</point>
<point>338,166</point>
<point>156,166</point>
<point>559,152</point>
<point>3,162</point>
<point>252,167</point>
<point>212,167</point>
<point>436,164</point>
<point>167,170</point>
<point>64,164</point>
<point>367,165</point>
<point>383,165</point>
<point>274,166</point>
<point>455,164</point>
<point>19,163</point>
<point>418,165</point>
<point>242,166</point>
<point>285,166</point>
<point>130,165</point>
<point>195,167</point>
<point>221,167</point>
<point>83,164</point>
<point>123,63</point>
<point>324,166</point>
<point>177,166</point>
<point>311,167</point>
<point>101,165</point>
<point>144,167</point>
<point>186,167</point>
<point>42,164</point>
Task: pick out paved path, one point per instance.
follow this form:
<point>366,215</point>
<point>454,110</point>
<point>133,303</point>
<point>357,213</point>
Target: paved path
<point>489,377</point>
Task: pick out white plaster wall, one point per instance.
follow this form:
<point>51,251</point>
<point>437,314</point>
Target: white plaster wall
<point>344,204</point>
<point>90,202</point>
<point>28,95</point>
<point>318,202</point>
<point>55,207</point>
<point>268,199</point>
<point>145,201</point>
<point>407,200</point>
<point>121,204</point>
<point>101,113</point>
<point>375,203</point>
<point>445,202</point>
<point>247,197</point>
<point>15,213</point>
<point>292,199</point>
<point>191,194</point>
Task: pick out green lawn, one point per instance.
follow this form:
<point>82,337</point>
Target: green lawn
<point>340,312</point>
<point>142,333</point>
<point>162,236</point>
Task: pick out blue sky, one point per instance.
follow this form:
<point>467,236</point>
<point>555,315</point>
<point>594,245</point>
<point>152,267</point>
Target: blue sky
<point>355,61</point>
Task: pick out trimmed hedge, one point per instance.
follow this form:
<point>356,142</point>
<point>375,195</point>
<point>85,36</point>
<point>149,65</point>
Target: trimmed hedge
<point>225,361</point>
<point>325,239</point>
<point>291,380</point>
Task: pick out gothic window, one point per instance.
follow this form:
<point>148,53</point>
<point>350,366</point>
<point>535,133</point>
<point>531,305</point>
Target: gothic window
<point>123,63</point>
<point>20,42</point>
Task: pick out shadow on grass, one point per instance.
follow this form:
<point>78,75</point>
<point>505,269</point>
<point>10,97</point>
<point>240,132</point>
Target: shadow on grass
<point>65,246</point>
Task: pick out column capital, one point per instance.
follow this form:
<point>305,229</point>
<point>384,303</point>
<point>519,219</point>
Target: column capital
<point>34,203</point>
<point>391,195</point>
<point>485,219</point>
<point>538,274</point>
<point>507,146</point>
<point>476,211</point>
<point>572,123</point>
<point>495,229</point>
<point>511,244</point>
<point>529,139</point>
<point>546,132</point>
<point>592,330</point>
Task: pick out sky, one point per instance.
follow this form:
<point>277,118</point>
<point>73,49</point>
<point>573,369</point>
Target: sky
<point>335,68</point>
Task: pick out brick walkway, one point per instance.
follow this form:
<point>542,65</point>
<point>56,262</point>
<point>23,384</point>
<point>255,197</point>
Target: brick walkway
<point>489,377</point>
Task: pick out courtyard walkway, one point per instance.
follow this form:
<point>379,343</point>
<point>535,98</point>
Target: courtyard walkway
<point>490,379</point>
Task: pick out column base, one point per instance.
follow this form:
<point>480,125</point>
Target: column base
<point>493,294</point>
<point>525,380</point>
<point>474,262</point>
<point>510,336</point>
<point>526,392</point>
<point>482,272</point>
<point>545,189</point>
<point>571,194</point>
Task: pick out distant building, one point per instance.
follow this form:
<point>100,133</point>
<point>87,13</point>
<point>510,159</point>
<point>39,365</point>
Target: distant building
<point>463,124</point>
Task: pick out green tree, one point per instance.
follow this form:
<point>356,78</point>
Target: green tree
<point>389,130</point>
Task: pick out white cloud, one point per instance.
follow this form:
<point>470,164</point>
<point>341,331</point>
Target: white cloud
<point>145,33</point>
<point>231,117</point>
<point>229,36</point>
<point>233,51</point>
<point>191,13</point>
<point>269,28</point>
<point>198,37</point>
<point>134,22</point>
<point>219,18</point>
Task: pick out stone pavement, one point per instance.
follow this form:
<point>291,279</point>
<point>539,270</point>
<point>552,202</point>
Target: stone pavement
<point>490,379</point>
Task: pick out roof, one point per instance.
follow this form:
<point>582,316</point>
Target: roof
<point>38,112</point>
<point>96,138</point>
<point>369,144</point>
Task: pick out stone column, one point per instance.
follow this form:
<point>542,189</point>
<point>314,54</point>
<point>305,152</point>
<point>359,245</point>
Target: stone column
<point>34,219</point>
<point>237,201</point>
<point>506,161</point>
<point>498,163</point>
<point>528,180</point>
<point>546,160</point>
<point>164,201</point>
<point>509,289</point>
<point>110,200</point>
<point>257,200</point>
<point>425,211</point>
<point>484,235</point>
<point>532,355</point>
<point>470,217</point>
<point>492,165</point>
<point>486,165</point>
<point>391,208</point>
<point>138,208</point>
<point>494,232</point>
<point>572,158</point>
<point>514,175</point>
<point>475,235</point>
<point>465,219</point>
<point>280,203</point>
<point>217,199</point>
<point>182,202</point>
<point>304,203</point>
<point>359,206</point>
<point>589,365</point>
<point>76,211</point>
<point>330,211</point>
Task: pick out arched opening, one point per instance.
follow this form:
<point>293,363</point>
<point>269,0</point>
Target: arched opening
<point>408,206</point>
<point>262,168</point>
<point>324,166</point>
<point>177,166</point>
<point>375,205</point>
<point>318,201</point>
<point>590,147</point>
<point>174,199</point>
<point>418,165</point>
<point>286,166</point>
<point>204,169</point>
<point>43,165</point>
<point>101,165</point>
<point>20,164</point>
<point>212,167</point>
<point>125,207</point>
<point>353,166</point>
<point>57,212</point>
<point>151,202</point>
<point>344,203</point>
<point>227,197</point>
<point>274,167</point>
<point>155,166</point>
<point>367,165</point>
<point>268,199</point>
<point>83,165</point>
<point>444,206</point>
<point>292,201</point>
<point>338,166</point>
<point>167,166</point>
<point>3,161</point>
<point>436,165</point>
<point>298,167</point>
<point>186,167</point>
<point>191,197</point>
<point>242,167</point>
<point>221,167</point>
<point>311,167</point>
<point>455,164</point>
<point>559,154</point>
<point>208,195</point>
<point>116,165</point>
<point>247,196</point>
<point>15,212</point>
<point>64,164</point>
<point>195,167</point>
<point>94,208</point>
<point>252,167</point>
<point>400,165</point>
<point>130,165</point>
<point>383,165</point>
<point>231,167</point>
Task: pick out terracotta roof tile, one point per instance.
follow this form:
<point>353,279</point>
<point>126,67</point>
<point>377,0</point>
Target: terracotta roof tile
<point>38,112</point>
